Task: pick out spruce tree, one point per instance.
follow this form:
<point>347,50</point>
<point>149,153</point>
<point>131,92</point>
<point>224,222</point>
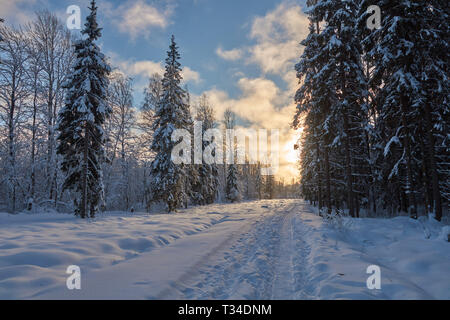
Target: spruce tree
<point>270,187</point>
<point>193,183</point>
<point>208,173</point>
<point>409,56</point>
<point>314,99</point>
<point>80,122</point>
<point>343,72</point>
<point>258,180</point>
<point>432,56</point>
<point>374,106</point>
<point>168,179</point>
<point>232,189</point>
<point>331,104</point>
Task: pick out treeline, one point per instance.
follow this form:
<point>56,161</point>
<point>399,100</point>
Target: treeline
<point>374,105</point>
<point>60,100</point>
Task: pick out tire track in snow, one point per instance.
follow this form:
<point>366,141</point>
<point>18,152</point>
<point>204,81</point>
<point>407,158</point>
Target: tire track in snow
<point>267,261</point>
<point>291,272</point>
<point>283,285</point>
<point>172,291</point>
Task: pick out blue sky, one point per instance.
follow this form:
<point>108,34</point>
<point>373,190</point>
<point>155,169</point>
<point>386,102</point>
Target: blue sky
<point>241,53</point>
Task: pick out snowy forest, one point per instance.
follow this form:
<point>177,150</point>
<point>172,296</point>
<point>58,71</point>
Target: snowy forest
<point>374,106</point>
<point>96,204</point>
<point>46,161</point>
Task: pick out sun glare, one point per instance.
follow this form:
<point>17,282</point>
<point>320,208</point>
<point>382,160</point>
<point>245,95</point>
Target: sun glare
<point>291,148</point>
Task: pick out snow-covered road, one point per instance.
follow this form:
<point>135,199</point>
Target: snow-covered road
<point>274,249</point>
<point>266,261</point>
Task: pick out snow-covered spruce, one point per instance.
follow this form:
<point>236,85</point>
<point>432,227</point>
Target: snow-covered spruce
<point>208,173</point>
<point>81,138</point>
<point>232,190</point>
<point>374,107</point>
<point>332,96</point>
<point>168,179</point>
<point>408,56</point>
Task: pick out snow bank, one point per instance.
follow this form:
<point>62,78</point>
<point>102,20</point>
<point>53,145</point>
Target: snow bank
<point>36,249</point>
<point>413,258</point>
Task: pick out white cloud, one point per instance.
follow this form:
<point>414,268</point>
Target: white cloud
<point>258,103</point>
<point>238,74</point>
<point>142,68</point>
<point>146,68</point>
<point>16,11</point>
<point>262,102</point>
<point>275,58</point>
<point>287,21</point>
<point>190,75</point>
<point>231,55</point>
<point>277,37</point>
<point>138,18</point>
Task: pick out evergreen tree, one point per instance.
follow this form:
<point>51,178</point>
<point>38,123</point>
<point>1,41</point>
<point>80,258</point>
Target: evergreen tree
<point>168,179</point>
<point>232,189</point>
<point>193,184</point>
<point>409,55</point>
<point>374,106</point>
<point>208,173</point>
<point>313,100</point>
<point>152,96</point>
<point>81,138</point>
<point>343,73</point>
<point>270,187</point>
<point>258,180</point>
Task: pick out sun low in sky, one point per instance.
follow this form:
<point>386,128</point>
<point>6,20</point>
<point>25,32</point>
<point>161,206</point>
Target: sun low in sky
<point>240,53</point>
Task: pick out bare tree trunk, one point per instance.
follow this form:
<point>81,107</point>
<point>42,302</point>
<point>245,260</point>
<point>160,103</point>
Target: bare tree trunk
<point>11,151</point>
<point>371,192</point>
<point>319,179</point>
<point>348,168</point>
<point>33,145</point>
<point>427,184</point>
<point>431,156</point>
<point>412,205</point>
<point>124,171</point>
<point>328,179</point>
<point>50,142</point>
<point>84,195</point>
<point>12,158</point>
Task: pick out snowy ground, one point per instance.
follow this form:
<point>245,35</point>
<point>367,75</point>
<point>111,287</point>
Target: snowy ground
<point>274,249</point>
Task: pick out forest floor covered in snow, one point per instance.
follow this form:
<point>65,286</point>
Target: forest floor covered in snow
<point>270,249</point>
